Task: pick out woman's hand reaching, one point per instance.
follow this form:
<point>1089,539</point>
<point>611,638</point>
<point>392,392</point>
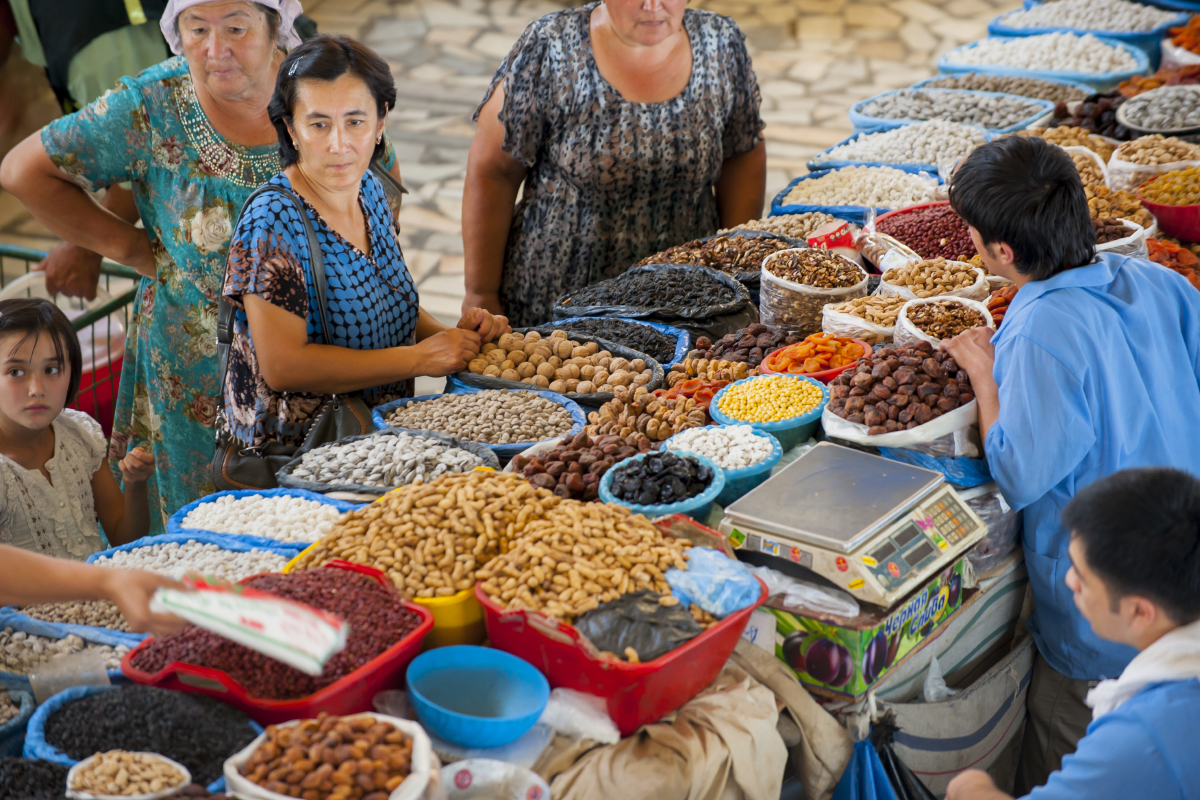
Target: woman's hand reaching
<point>448,352</point>
<point>489,326</point>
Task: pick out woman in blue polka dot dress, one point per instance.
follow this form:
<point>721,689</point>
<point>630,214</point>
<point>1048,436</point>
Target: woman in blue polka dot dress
<point>329,106</point>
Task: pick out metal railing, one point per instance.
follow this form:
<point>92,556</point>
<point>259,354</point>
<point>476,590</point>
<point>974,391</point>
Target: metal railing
<point>103,327</point>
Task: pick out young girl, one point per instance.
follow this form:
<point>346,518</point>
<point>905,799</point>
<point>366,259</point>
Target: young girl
<point>55,482</point>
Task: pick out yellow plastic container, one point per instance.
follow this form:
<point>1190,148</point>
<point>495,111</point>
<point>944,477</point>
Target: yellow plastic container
<point>457,619</point>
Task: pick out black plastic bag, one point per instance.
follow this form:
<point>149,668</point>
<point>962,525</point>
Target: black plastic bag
<point>751,279</point>
<point>905,784</point>
<point>563,308</point>
<point>639,621</point>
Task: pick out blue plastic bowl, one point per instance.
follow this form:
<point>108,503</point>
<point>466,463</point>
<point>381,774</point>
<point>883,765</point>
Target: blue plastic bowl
<point>697,507</point>
<point>789,432</point>
<point>740,481</point>
<point>476,696</point>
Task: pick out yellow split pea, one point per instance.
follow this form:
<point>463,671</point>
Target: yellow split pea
<point>769,398</point>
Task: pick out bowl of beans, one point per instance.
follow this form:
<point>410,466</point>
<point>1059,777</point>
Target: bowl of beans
<point>786,406</point>
<point>932,230</point>
<point>1174,200</point>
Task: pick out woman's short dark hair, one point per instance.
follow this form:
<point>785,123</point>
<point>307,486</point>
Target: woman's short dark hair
<point>1026,192</point>
<point>35,316</point>
<point>327,57</point>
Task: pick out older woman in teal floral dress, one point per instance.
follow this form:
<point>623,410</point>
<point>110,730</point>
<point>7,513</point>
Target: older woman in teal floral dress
<point>194,136</point>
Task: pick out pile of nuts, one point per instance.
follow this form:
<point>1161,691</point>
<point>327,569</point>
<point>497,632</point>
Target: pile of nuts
<point>579,555</point>
<point>878,187</point>
<point>1091,174</point>
<point>1166,109</point>
<point>8,709</point>
<point>1157,149</point>
<point>573,469</point>
<point>1104,202</point>
<point>770,398</point>
<point>659,345</point>
<point>730,447</point>
<point>899,388</point>
<point>731,254</point>
<point>332,758</point>
<point>557,363</point>
<point>930,142</point>
<point>32,779</point>
<point>815,267</point>
<point>196,731</point>
<point>22,653</point>
<point>176,560</point>
<point>282,517</point>
<point>751,344</point>
<point>1120,16</point>
<point>932,277</point>
<point>660,479</point>
<point>953,105</point>
<point>794,226</point>
<point>715,369</point>
<point>376,616</point>
<point>96,613</point>
<point>944,319</point>
<point>1008,84</point>
<point>672,290</point>
<point>878,309</point>
<point>1096,113</point>
<point>1071,136</point>
<point>1179,187</point>
<point>1110,230</point>
<point>1058,52</point>
<point>932,232</point>
<point>120,772</point>
<point>657,418</point>
<point>384,460</point>
<point>429,538</point>
<point>493,416</point>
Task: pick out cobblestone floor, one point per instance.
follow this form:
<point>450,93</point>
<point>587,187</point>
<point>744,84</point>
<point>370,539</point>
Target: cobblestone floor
<point>814,59</point>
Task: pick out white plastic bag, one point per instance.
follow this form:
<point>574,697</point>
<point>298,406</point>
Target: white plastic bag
<point>997,282</point>
<point>1093,156</point>
<point>580,716</point>
<point>906,332</point>
<point>1174,56</point>
<point>159,795</point>
<point>976,291</point>
<point>839,323</point>
<point>1133,245</point>
<point>801,596</point>
<point>1127,176</point>
<point>936,690</point>
<point>797,308</point>
<point>953,434</point>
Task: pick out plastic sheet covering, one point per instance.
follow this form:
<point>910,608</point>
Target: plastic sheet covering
<point>718,584</point>
<point>864,778</point>
<point>1004,526</point>
<point>639,621</point>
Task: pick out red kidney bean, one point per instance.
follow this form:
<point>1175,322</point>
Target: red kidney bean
<point>935,231</point>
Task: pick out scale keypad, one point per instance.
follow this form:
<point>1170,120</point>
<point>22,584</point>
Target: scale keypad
<point>949,518</point>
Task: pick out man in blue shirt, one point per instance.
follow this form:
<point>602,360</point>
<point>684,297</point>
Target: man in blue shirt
<point>1095,369</point>
<point>1135,576</point>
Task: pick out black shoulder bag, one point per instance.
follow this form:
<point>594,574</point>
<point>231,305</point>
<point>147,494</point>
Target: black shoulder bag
<point>236,466</point>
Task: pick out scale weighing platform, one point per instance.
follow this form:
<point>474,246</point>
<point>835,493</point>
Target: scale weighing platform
<point>875,527</point>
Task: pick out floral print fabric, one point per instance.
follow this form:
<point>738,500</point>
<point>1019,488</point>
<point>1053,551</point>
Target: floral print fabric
<point>372,304</point>
<point>611,181</point>
<point>169,382</point>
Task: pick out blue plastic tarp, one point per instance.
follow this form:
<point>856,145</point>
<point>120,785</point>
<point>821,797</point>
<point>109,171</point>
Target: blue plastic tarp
<point>683,341</point>
<point>175,523</point>
<point>12,733</point>
<point>1099,81</point>
<point>962,472</point>
<point>822,162</point>
<point>1149,42</point>
<point>854,214</point>
<point>864,778</point>
<point>717,583</point>
<point>863,122</point>
<point>225,541</point>
<point>11,616</point>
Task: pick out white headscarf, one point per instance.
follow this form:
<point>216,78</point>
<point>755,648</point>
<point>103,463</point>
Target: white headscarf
<point>288,11</point>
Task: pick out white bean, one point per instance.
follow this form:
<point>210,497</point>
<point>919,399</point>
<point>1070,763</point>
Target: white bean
<point>881,187</point>
<point>1090,15</point>
<point>288,519</point>
<point>175,560</point>
<point>729,447</point>
<point>1059,52</point>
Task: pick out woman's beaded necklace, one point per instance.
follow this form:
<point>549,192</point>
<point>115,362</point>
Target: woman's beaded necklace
<point>234,163</point>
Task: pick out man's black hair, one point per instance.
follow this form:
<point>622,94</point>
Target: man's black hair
<point>327,57</point>
<point>33,317</point>
<point>1026,192</point>
<point>1140,530</point>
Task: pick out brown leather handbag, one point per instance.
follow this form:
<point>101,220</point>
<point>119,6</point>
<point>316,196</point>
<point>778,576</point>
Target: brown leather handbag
<point>236,466</point>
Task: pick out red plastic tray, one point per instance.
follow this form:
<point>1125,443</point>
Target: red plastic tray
<point>349,694</point>
<point>637,694</point>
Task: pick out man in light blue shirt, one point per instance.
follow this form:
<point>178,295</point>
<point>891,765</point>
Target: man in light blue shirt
<point>1143,591</point>
<point>1095,369</point>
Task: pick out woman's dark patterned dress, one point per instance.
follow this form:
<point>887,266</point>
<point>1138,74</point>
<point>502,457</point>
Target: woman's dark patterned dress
<point>372,305</point>
<point>609,181</point>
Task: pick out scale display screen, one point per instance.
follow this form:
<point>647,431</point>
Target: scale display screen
<point>907,535</point>
<point>885,552</point>
<point>919,554</point>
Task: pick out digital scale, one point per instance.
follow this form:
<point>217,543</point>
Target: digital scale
<point>875,527</point>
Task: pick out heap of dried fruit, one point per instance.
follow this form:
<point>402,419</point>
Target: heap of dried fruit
<point>697,389</point>
<point>751,344</point>
<point>817,353</point>
<point>732,255</point>
<point>573,468</point>
<point>1104,202</point>
<point>660,479</point>
<point>999,301</point>
<point>1183,76</point>
<point>1176,258</point>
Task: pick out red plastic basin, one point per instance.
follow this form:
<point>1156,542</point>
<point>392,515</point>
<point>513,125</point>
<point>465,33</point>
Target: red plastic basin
<point>637,694</point>
<point>349,694</point>
<point>825,375</point>
<point>1182,222</point>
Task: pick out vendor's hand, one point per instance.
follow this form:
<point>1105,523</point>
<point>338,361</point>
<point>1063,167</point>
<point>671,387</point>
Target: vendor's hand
<point>131,590</point>
<point>489,326</point>
<point>71,270</point>
<point>973,784</point>
<point>137,466</point>
<point>973,351</point>
<point>448,352</point>
<point>488,302</point>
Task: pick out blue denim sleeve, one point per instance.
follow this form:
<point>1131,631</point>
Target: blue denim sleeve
<point>1045,428</point>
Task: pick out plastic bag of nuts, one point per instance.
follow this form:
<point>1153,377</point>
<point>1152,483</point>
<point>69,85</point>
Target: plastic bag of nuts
<point>935,277</point>
<point>939,318</point>
<point>120,773</point>
<point>1134,163</point>
<point>1091,167</point>
<point>796,285</point>
<point>870,319</point>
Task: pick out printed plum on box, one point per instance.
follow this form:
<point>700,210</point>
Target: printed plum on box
<point>847,657</point>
